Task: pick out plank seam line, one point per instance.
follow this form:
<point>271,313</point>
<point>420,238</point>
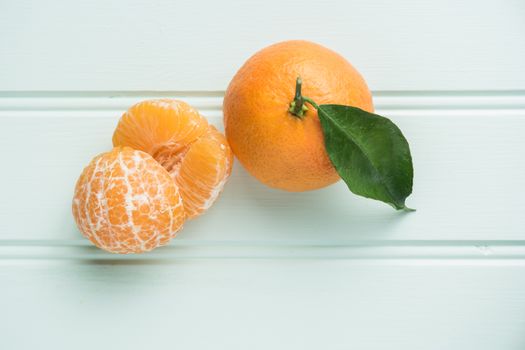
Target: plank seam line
<point>369,250</point>
<point>212,101</point>
<point>280,243</point>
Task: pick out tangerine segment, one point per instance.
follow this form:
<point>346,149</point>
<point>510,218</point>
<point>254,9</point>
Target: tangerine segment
<point>125,202</point>
<point>204,170</point>
<point>160,127</point>
<point>196,155</point>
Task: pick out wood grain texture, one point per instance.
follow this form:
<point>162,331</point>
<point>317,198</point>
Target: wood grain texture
<point>198,45</point>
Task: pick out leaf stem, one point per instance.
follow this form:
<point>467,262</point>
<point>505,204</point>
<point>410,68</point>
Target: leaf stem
<point>310,101</point>
<point>297,106</point>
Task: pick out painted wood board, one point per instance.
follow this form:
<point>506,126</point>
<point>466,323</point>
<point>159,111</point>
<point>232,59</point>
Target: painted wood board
<point>468,152</point>
<point>198,45</point>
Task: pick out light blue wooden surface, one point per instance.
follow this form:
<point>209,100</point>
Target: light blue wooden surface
<point>267,269</point>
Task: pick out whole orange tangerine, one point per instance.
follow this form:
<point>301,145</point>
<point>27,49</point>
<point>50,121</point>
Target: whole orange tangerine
<point>278,148</point>
<point>195,153</point>
<point>126,202</point>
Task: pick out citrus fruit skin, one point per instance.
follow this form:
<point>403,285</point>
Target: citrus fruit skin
<point>126,202</point>
<point>278,148</point>
<point>196,155</point>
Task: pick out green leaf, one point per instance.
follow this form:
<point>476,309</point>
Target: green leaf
<point>369,152</point>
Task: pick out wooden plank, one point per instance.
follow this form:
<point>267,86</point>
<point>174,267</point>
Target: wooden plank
<point>261,304</point>
<point>468,156</point>
<point>198,45</point>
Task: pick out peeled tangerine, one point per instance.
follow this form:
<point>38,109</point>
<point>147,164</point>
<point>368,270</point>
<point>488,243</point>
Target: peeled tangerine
<point>168,165</point>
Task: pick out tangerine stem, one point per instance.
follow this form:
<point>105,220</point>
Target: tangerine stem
<point>297,106</point>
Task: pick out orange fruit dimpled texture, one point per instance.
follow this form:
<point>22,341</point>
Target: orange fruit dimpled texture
<point>195,153</point>
<point>126,202</point>
<point>276,147</point>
